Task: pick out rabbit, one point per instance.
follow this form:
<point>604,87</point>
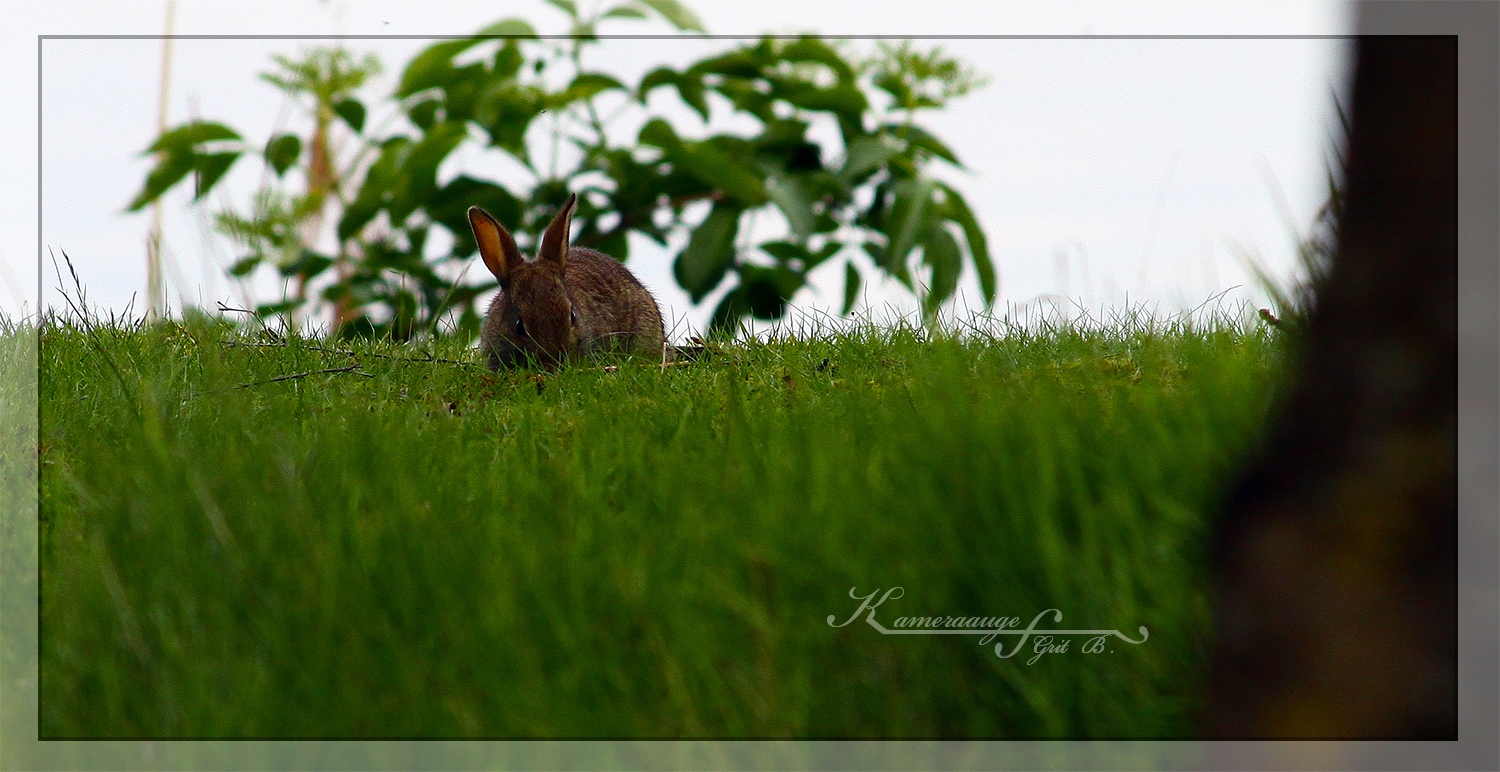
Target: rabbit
<point>570,301</point>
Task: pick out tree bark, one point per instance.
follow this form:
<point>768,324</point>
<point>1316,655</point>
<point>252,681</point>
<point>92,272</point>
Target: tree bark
<point>1336,558</point>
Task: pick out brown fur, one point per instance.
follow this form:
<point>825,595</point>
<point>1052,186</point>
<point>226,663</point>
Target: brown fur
<point>570,301</point>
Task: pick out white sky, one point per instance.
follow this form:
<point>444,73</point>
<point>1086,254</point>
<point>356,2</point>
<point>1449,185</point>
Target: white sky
<point>1100,169</point>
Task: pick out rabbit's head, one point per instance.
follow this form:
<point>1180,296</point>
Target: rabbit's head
<point>534,313</point>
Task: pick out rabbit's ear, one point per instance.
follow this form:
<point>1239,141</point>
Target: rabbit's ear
<point>495,245</point>
<point>555,241</point>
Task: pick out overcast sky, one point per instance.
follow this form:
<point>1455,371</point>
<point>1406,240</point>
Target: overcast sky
<point>1101,170</point>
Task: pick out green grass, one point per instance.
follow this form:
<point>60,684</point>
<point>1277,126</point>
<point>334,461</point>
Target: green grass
<point>427,549</point>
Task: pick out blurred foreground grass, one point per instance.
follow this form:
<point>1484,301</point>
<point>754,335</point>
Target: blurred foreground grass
<point>425,549</point>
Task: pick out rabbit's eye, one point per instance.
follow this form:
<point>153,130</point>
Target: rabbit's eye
<point>574,317</point>
<point>520,328</point>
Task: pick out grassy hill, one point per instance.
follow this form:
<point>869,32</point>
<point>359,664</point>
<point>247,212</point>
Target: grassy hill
<point>397,543</point>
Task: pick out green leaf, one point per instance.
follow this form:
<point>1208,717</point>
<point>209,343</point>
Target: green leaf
<point>746,96</point>
<point>851,287</point>
<point>801,156</point>
<point>591,83</point>
<point>353,113</point>
<point>624,12</point>
<point>208,169</point>
<point>508,28</point>
<point>709,253</point>
<point>418,173</point>
<point>272,309</point>
<point>794,202</point>
<point>735,176</point>
<point>505,110</point>
<point>726,317</point>
<point>189,135</point>
<point>829,250</point>
<point>168,172</point>
<point>244,266</point>
<point>307,265</point>
<point>568,7</point>
<point>282,152</point>
<point>378,189</point>
<point>877,254</point>
<point>907,222</point>
<point>424,114</point>
<point>785,251</point>
<point>866,153</point>
<point>360,212</point>
<point>450,205</point>
<point>745,62</point>
<point>813,49</point>
<point>463,89</point>
<point>508,61</point>
<point>691,90</point>
<point>767,291</point>
<point>616,244</point>
<point>586,86</point>
<point>957,210</point>
<point>179,153</point>
<point>843,99</point>
<point>432,68</point>
<point>674,12</point>
<point>896,87</point>
<point>661,76</point>
<point>915,136</point>
<point>940,251</point>
<point>659,133</point>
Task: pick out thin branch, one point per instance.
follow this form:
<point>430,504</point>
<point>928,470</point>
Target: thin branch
<point>350,369</point>
<point>254,315</point>
<point>421,360</point>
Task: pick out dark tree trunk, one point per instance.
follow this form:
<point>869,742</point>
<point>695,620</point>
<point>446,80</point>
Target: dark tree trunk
<point>1337,555</point>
